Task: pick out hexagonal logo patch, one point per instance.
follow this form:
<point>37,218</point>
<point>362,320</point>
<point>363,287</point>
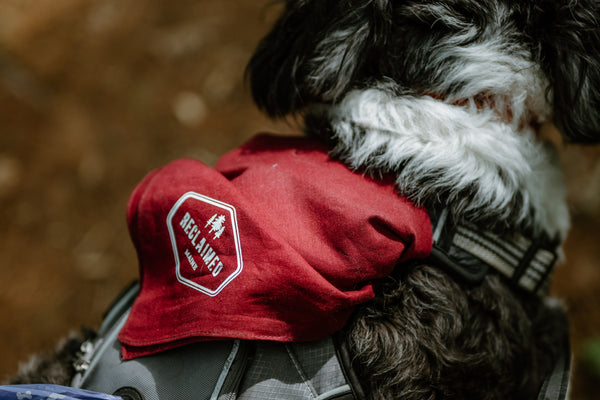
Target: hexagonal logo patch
<point>206,242</point>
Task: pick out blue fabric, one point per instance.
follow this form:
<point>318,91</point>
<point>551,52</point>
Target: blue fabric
<point>50,392</point>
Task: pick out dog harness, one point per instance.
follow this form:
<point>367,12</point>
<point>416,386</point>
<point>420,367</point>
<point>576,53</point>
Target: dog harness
<point>215,370</point>
<point>248,270</point>
<point>231,369</point>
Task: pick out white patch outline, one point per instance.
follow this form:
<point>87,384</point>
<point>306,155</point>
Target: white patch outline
<point>236,240</point>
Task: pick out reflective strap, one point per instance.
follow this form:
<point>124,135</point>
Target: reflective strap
<point>526,262</point>
<point>556,385</point>
<point>518,258</point>
<point>337,393</point>
<point>225,370</point>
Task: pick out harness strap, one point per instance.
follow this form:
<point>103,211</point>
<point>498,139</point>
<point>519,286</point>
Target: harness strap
<point>526,262</point>
<point>345,359</point>
<point>556,385</point>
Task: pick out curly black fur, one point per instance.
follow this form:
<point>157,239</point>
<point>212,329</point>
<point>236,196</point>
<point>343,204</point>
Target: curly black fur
<point>570,54</point>
<point>56,367</point>
<point>426,336</point>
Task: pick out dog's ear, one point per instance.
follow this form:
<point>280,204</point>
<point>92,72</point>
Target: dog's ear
<point>571,57</point>
<point>314,53</point>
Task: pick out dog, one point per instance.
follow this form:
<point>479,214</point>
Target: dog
<point>448,98</point>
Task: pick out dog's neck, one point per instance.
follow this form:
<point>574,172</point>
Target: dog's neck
<point>483,168</point>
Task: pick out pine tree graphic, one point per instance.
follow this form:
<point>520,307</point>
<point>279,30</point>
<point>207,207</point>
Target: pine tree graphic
<point>216,225</point>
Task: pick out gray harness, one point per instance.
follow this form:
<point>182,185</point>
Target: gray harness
<point>321,370</point>
<point>215,370</point>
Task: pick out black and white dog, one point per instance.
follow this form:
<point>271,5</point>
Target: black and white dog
<point>449,96</point>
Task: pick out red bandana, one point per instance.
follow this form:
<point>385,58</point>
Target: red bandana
<point>278,242</point>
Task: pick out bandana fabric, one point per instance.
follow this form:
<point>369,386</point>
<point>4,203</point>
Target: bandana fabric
<point>278,242</point>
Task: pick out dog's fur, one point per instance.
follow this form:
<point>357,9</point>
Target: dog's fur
<point>447,96</point>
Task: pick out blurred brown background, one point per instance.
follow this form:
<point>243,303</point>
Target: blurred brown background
<point>94,94</point>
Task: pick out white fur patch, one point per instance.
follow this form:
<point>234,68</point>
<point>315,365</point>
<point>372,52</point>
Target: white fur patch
<point>454,150</point>
<point>494,65</point>
<point>491,60</point>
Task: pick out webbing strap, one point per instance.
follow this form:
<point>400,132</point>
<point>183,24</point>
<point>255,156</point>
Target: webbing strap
<point>556,385</point>
<point>526,262</point>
